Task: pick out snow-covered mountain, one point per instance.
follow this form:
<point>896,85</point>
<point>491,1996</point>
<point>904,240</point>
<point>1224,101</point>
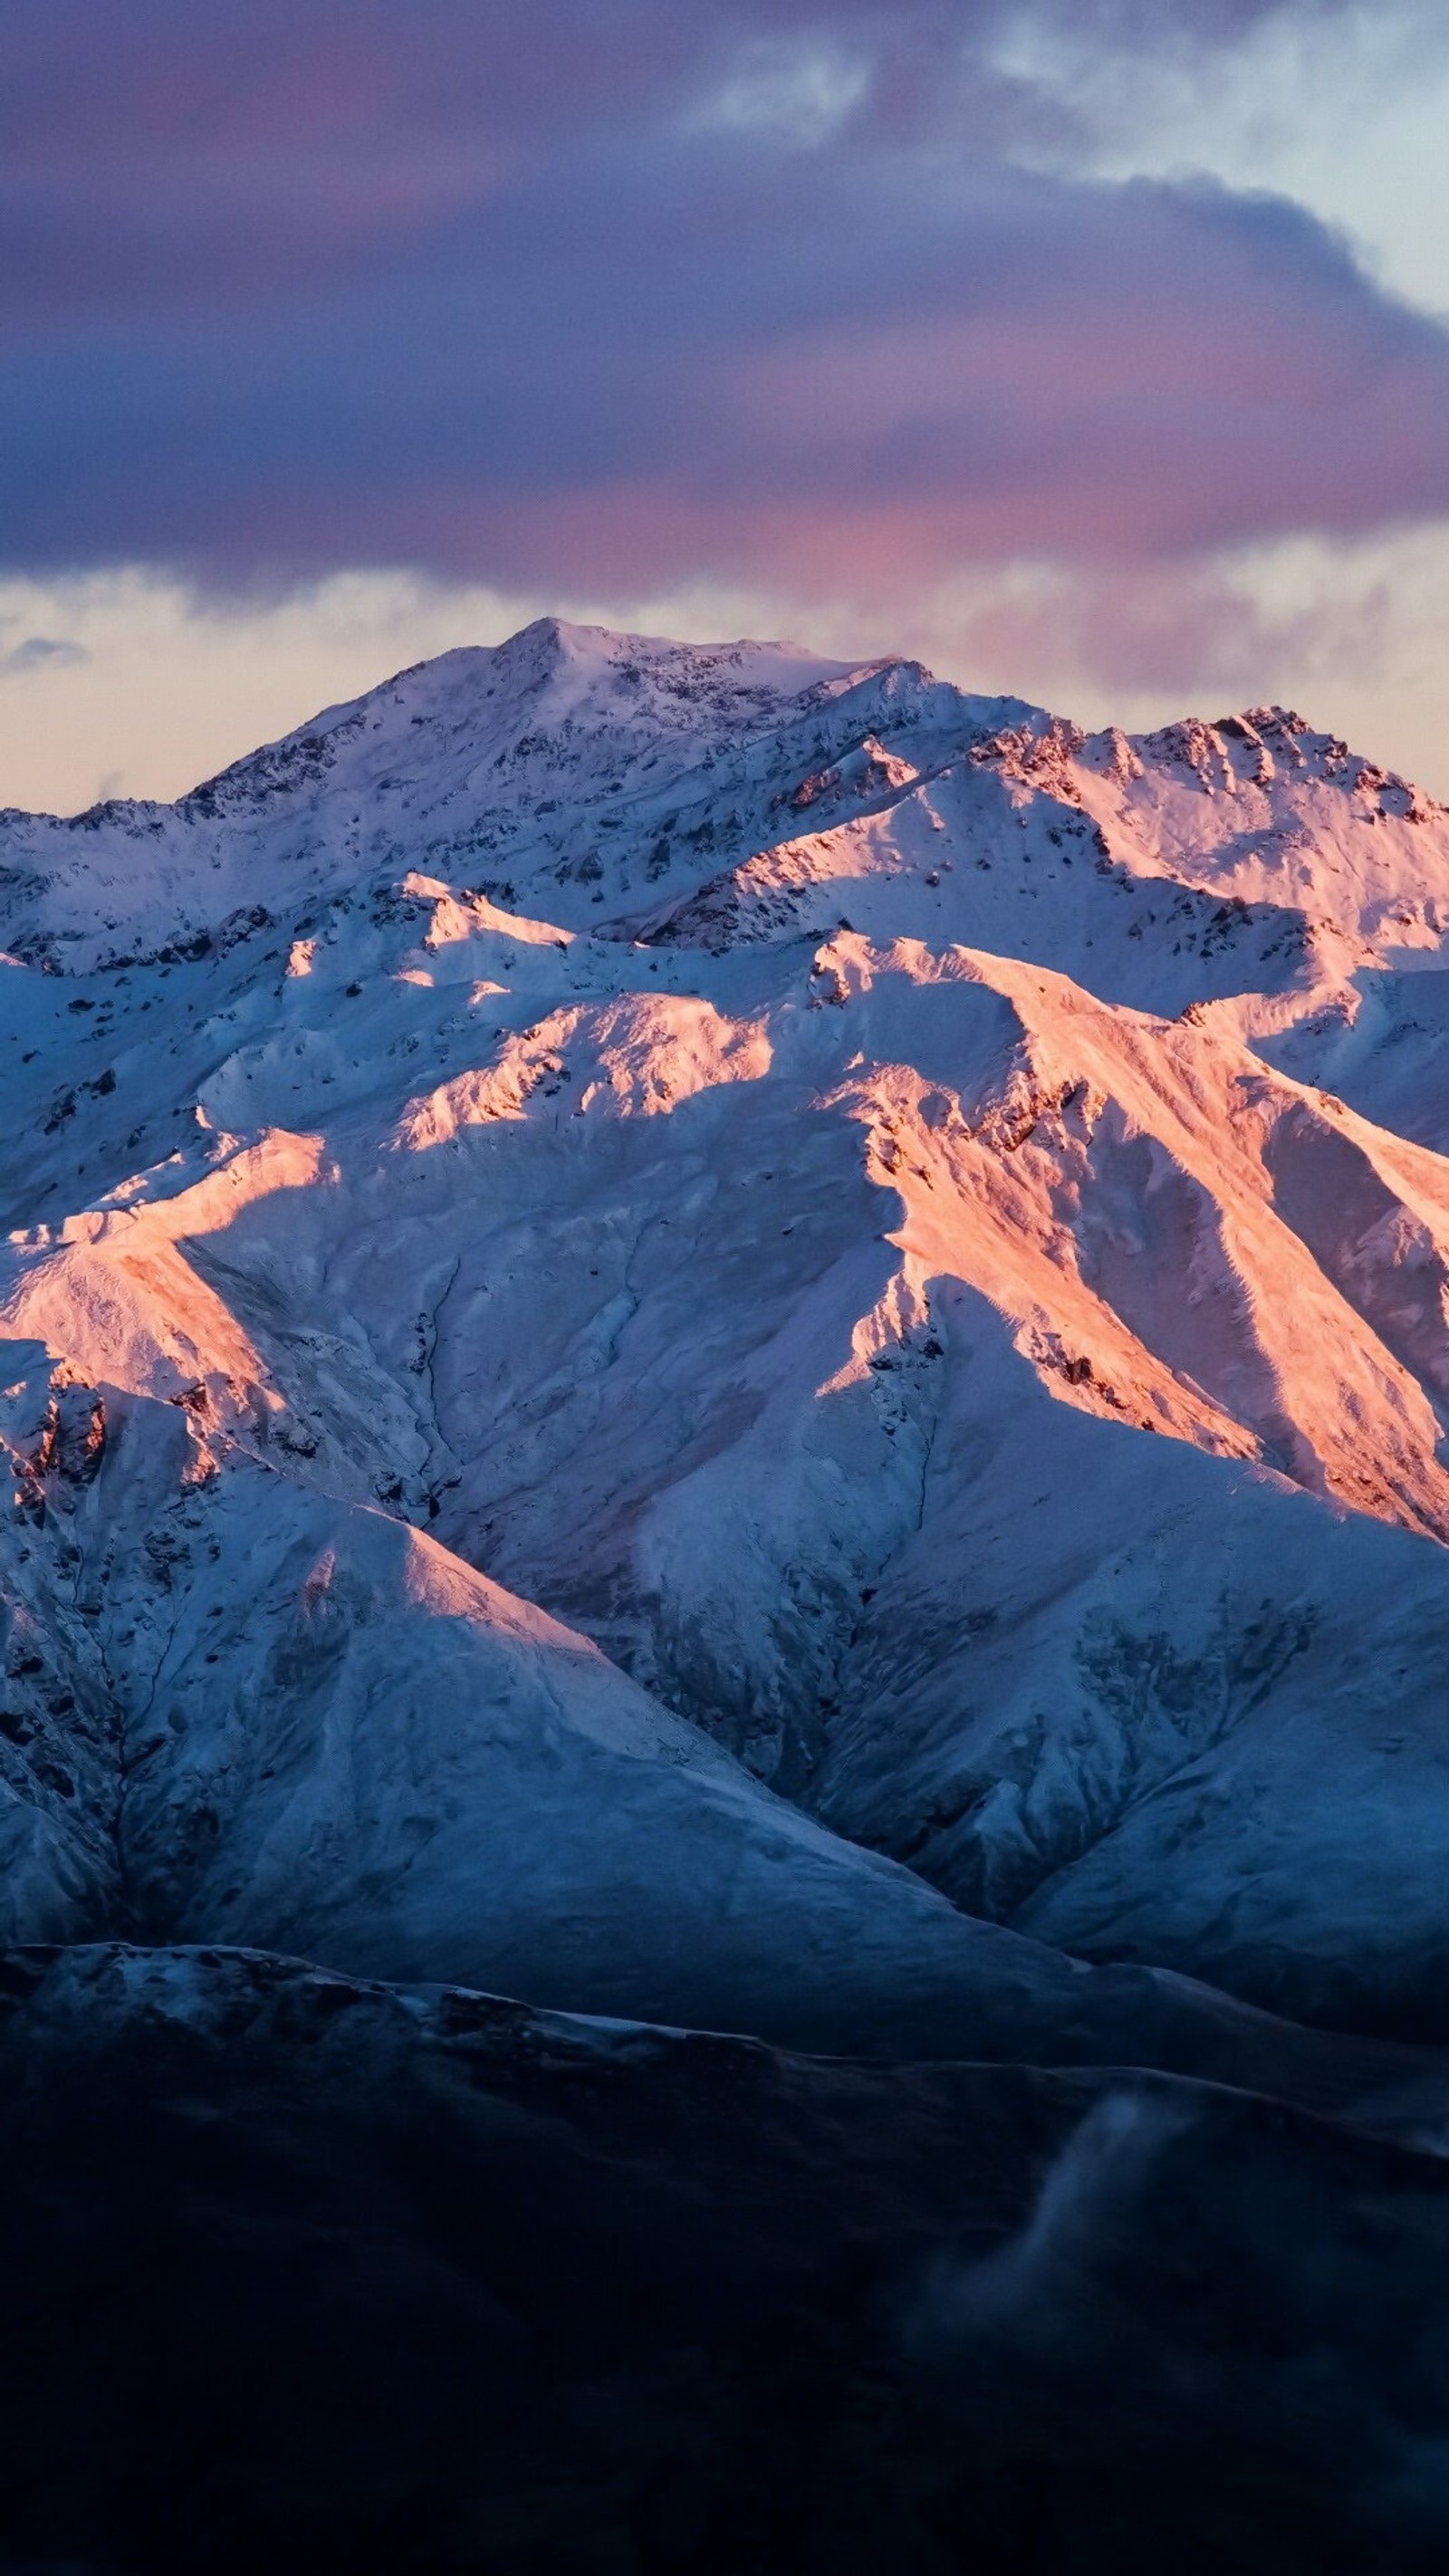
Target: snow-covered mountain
<point>728,1345</point>
<point>703,1334</point>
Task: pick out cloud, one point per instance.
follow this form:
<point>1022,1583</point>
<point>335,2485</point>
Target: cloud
<point>1091,2202</point>
<point>228,146</point>
<point>195,153</point>
<point>717,360</point>
<point>41,653</point>
<point>610,297</point>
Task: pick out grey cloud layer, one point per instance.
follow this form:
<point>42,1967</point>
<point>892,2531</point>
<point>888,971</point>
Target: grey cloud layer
<point>574,292</point>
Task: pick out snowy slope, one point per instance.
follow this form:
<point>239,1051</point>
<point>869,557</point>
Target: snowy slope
<point>636,1275</point>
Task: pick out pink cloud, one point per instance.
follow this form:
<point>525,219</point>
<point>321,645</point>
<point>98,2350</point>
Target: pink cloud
<point>293,289</point>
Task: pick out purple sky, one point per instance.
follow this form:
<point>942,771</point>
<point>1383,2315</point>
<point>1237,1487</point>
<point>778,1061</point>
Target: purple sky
<point>612,297</point>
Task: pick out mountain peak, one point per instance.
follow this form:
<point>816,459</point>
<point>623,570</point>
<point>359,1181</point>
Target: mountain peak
<point>1265,720</point>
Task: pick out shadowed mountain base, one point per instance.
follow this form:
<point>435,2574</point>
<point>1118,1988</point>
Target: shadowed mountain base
<point>304,2273</point>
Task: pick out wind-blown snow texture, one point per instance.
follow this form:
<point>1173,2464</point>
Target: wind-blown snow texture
<point>717,1339</point>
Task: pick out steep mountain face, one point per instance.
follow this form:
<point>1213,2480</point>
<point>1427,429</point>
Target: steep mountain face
<point>723,1338</point>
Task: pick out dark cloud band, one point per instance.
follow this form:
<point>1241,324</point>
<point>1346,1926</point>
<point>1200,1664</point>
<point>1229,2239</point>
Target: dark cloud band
<point>615,293</point>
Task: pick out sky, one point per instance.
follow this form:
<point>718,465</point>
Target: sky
<point>1095,350</point>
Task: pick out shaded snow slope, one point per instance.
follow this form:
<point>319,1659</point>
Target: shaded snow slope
<point>917,1235</point>
<point>238,1710</point>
